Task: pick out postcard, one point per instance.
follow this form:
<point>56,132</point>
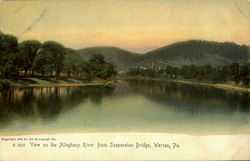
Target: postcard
<point>124,80</point>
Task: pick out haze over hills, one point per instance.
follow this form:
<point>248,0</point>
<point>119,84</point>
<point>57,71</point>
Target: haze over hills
<point>197,52</point>
<point>121,58</point>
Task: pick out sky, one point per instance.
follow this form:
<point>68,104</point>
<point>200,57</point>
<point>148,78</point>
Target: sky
<point>134,25</point>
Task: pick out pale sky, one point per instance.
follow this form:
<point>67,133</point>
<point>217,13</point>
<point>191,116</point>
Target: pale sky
<point>135,25</point>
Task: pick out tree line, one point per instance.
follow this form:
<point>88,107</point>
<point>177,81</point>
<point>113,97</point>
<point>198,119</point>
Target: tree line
<point>33,58</point>
<point>238,73</point>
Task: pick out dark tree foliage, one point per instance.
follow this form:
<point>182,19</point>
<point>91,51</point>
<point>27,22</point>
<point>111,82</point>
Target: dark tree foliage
<point>28,51</point>
<point>8,55</point>
<point>73,64</point>
<point>55,53</point>
<point>32,58</point>
<point>235,72</point>
<point>98,68</point>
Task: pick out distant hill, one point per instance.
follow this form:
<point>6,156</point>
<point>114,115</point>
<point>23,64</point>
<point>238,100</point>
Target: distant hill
<point>121,58</point>
<point>196,52</point>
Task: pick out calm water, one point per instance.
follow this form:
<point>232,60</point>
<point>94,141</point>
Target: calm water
<point>135,106</point>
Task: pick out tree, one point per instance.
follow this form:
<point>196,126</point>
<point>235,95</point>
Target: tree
<point>234,71</point>
<point>8,54</point>
<point>57,54</point>
<point>244,74</point>
<point>73,64</point>
<point>97,59</point>
<point>28,51</point>
<point>109,70</point>
<point>220,74</point>
<point>49,58</point>
<point>96,67</point>
<point>43,63</point>
<point>205,72</point>
<point>189,71</point>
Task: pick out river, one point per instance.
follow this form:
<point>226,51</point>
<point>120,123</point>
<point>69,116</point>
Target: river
<point>133,106</point>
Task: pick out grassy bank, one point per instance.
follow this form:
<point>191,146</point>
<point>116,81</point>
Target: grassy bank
<point>49,82</point>
<point>227,86</point>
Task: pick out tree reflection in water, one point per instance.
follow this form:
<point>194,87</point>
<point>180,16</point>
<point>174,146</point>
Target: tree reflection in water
<point>130,106</point>
<point>46,103</point>
<point>193,98</point>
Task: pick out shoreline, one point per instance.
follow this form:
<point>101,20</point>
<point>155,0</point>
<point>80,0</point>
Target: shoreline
<point>80,84</point>
<point>64,85</point>
<point>41,83</point>
<point>216,85</point>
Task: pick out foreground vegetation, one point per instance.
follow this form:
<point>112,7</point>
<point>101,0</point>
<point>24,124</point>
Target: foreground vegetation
<point>50,82</point>
<point>50,59</point>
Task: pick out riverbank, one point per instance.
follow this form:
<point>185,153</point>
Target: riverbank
<point>50,82</point>
<point>216,85</point>
<point>59,82</point>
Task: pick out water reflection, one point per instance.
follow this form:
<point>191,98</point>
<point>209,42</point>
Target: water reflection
<point>192,98</point>
<point>46,103</point>
<point>130,106</point>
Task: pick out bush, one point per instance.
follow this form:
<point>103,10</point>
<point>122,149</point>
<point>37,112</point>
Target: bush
<point>5,83</point>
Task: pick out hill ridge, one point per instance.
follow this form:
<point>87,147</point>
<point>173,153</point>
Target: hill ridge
<point>197,52</point>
